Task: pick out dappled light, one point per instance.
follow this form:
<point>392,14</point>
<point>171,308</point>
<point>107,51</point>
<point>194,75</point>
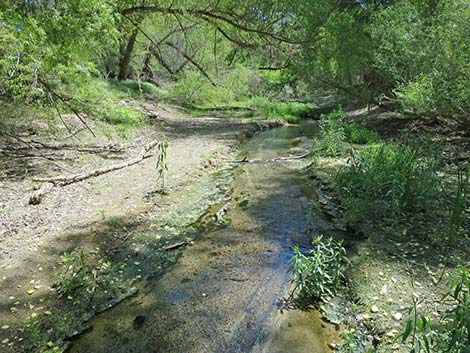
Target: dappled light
<point>234,176</point>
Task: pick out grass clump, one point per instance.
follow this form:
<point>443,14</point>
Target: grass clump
<point>459,203</point>
<point>335,132</point>
<point>318,272</point>
<point>360,135</point>
<point>291,112</point>
<point>388,183</point>
<point>120,115</point>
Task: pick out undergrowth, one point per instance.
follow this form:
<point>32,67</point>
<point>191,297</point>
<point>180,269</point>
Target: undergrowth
<point>291,112</point>
<point>318,271</point>
<point>336,133</point>
<point>452,331</point>
<point>385,184</point>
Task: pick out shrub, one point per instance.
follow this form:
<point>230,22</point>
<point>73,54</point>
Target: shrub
<point>358,134</point>
<point>133,88</point>
<point>332,132</point>
<point>318,272</point>
<point>119,115</point>
<point>458,317</point>
<point>291,112</point>
<point>387,183</point>
<point>193,89</point>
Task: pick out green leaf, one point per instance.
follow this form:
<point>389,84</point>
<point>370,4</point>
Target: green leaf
<point>408,328</point>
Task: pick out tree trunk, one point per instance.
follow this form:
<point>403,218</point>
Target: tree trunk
<point>126,55</point>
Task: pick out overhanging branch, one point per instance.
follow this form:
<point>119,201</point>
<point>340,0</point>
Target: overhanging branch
<point>205,14</point>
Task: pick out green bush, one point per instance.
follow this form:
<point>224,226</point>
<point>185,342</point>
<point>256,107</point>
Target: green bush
<point>360,135</point>
<point>388,183</point>
<point>133,88</point>
<point>291,112</point>
<point>453,332</point>
<point>318,272</point>
<point>406,34</point>
<point>119,115</point>
<point>332,131</point>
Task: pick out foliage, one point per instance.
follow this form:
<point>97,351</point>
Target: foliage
<point>161,166</point>
<point>406,35</point>
<point>291,112</point>
<point>418,331</point>
<point>458,317</point>
<point>319,271</point>
<point>193,89</point>
<point>74,274</point>
<point>453,332</point>
<point>53,44</point>
<point>120,115</point>
<point>134,88</point>
<point>388,183</point>
<point>332,132</point>
<point>360,135</point>
<point>459,205</point>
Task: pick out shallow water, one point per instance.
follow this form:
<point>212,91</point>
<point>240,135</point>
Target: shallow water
<point>223,293</point>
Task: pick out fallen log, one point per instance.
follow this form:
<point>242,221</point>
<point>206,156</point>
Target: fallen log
<point>273,160</point>
<point>178,245</point>
<point>70,179</point>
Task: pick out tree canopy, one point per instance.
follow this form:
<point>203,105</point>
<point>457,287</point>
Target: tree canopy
<point>414,53</point>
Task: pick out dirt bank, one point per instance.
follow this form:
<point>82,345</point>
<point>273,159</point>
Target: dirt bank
<point>104,213</point>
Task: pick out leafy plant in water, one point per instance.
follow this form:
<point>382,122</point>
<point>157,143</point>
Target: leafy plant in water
<point>460,202</point>
<point>319,271</point>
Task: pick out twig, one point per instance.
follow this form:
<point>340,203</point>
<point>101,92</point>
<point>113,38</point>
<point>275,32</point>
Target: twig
<point>273,160</point>
<point>178,245</point>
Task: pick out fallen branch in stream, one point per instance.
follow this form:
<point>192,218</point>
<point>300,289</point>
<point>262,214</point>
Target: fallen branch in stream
<point>178,245</point>
<point>273,160</point>
<point>75,178</point>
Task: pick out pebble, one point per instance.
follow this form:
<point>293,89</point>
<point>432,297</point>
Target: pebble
<point>397,316</point>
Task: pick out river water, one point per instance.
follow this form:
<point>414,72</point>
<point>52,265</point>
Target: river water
<point>223,293</point>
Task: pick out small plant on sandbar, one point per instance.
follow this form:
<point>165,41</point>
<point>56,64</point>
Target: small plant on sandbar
<point>161,166</point>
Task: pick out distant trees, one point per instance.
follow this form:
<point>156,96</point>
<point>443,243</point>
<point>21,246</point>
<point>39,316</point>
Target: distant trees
<point>412,52</point>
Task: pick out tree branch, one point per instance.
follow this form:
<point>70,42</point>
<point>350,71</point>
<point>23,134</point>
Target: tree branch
<point>190,59</point>
<point>204,14</point>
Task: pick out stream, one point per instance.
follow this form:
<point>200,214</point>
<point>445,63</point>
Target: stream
<point>223,293</point>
